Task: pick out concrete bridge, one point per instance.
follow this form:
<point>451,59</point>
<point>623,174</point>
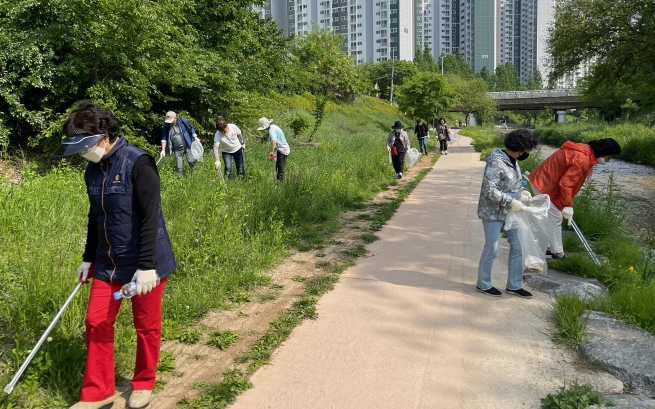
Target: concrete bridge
<point>555,99</point>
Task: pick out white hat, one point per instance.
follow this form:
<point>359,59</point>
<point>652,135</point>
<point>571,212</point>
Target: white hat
<point>264,123</point>
<point>170,117</point>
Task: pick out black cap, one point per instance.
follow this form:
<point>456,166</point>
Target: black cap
<point>73,144</point>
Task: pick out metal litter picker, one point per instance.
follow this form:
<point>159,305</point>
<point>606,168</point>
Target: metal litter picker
<point>10,386</point>
<point>577,231</point>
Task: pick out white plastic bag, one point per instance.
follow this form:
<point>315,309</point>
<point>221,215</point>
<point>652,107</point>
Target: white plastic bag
<point>533,232</point>
<point>197,151</point>
<point>411,157</point>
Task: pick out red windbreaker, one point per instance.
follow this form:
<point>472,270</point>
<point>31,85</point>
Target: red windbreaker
<point>562,175</point>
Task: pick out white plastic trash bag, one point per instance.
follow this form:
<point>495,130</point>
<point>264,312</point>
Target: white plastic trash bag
<point>411,157</point>
<point>533,232</point>
<point>197,150</point>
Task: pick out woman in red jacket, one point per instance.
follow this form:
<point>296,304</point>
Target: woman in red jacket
<point>561,177</point>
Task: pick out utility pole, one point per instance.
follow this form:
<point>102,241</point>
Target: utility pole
<point>442,55</point>
<point>391,90</point>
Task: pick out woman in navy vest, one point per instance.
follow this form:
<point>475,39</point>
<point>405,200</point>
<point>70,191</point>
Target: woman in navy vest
<point>126,241</point>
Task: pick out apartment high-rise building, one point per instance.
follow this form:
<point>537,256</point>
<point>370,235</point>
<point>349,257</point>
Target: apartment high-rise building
<point>487,33</point>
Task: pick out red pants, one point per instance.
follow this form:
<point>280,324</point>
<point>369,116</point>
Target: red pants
<point>99,383</point>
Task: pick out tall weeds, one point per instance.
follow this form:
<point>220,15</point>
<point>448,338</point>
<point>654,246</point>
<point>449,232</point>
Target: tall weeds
<point>224,234</point>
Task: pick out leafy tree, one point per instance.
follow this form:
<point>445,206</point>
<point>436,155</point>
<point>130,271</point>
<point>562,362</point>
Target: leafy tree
<point>616,37</point>
<point>607,100</point>
<point>380,73</point>
<point>324,67</point>
<point>423,59</point>
<point>426,95</point>
<point>506,78</point>
<point>455,65</point>
<point>534,82</point>
<point>472,98</point>
<point>487,77</point>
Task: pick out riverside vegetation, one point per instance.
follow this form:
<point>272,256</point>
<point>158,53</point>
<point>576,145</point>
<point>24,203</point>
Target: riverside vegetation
<point>223,235</point>
<point>629,268</point>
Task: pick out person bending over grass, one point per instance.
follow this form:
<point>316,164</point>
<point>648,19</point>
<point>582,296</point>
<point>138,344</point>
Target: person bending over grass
<point>229,139</point>
<point>561,177</point>
<point>126,241</point>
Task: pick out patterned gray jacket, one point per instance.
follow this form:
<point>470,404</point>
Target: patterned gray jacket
<point>500,185</point>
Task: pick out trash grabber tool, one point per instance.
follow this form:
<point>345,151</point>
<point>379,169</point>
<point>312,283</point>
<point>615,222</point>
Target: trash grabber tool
<point>585,243</point>
<point>575,227</point>
<point>157,164</point>
<point>10,386</point>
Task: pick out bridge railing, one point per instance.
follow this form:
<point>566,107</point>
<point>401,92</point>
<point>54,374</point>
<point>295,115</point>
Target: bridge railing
<point>547,93</point>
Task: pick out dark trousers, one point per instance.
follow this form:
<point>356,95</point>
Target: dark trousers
<point>443,144</point>
<point>398,162</point>
<point>180,152</point>
<point>423,144</point>
<point>280,164</point>
<point>237,158</point>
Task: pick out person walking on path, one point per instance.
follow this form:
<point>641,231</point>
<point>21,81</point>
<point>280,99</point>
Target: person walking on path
<point>421,132</point>
<point>178,134</point>
<point>443,135</point>
<point>279,147</point>
<point>501,192</point>
<point>126,241</point>
<point>229,139</point>
<point>397,145</point>
<point>562,175</point>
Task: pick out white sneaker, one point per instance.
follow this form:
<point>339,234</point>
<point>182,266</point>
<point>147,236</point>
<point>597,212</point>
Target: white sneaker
<point>445,152</point>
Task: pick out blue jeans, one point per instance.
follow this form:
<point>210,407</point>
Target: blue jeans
<point>515,262</point>
<point>423,145</point>
<point>238,162</point>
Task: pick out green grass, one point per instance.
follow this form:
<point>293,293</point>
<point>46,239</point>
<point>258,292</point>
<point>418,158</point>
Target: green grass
<point>629,270</point>
<point>637,141</point>
<point>574,397</point>
<point>190,336</point>
<point>223,236</point>
<point>222,340</point>
<point>569,322</point>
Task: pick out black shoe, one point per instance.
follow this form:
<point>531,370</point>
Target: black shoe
<point>519,293</point>
<point>556,257</point>
<point>493,291</point>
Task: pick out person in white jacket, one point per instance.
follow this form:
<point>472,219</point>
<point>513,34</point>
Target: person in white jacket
<point>229,140</point>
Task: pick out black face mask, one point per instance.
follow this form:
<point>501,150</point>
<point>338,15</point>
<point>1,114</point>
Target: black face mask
<point>523,156</point>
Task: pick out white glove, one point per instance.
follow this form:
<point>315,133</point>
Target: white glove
<point>526,197</point>
<point>388,148</point>
<point>217,164</point>
<point>146,280</point>
<point>567,213</point>
<point>162,153</point>
<point>195,138</point>
<point>517,206</point>
<point>83,271</point>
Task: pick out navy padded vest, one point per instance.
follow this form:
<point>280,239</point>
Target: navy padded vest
<point>110,191</point>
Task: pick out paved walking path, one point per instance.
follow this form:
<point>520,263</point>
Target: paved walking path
<point>405,328</point>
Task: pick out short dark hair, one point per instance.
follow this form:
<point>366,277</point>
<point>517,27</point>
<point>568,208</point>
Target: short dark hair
<point>442,118</point>
<point>93,119</point>
<point>604,147</point>
<point>521,140</point>
<point>221,123</point>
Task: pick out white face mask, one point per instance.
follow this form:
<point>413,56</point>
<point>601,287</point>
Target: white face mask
<point>93,154</point>
<point>602,161</point>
